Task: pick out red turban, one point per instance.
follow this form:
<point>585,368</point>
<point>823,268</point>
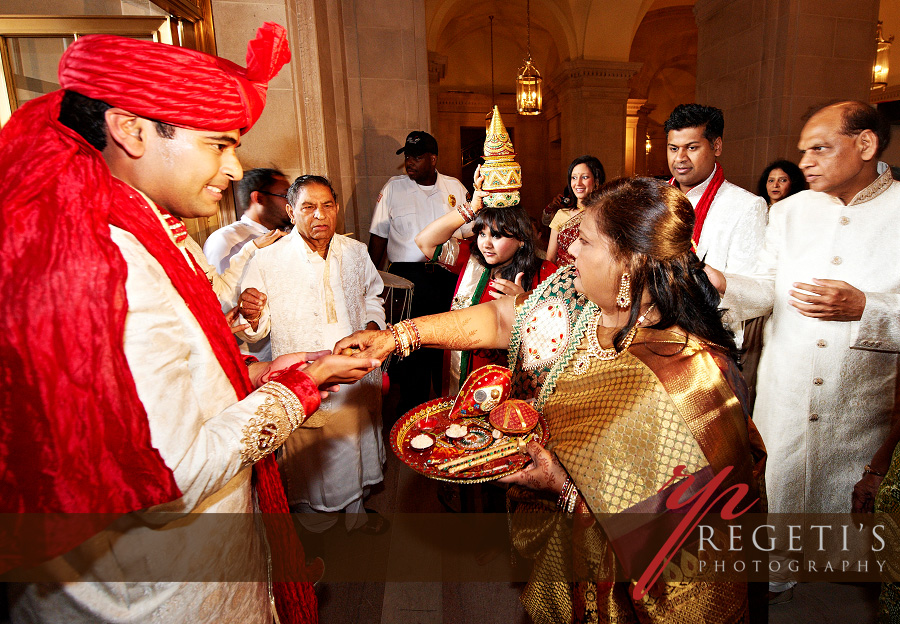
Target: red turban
<point>175,85</point>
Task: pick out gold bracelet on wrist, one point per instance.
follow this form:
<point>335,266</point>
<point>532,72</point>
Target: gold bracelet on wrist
<point>412,333</point>
<point>868,470</point>
<point>564,494</point>
<point>573,498</point>
<point>397,348</point>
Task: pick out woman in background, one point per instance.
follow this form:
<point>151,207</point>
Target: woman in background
<point>585,175</point>
<point>780,179</point>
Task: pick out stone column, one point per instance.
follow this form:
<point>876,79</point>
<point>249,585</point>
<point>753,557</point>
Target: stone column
<point>356,85</point>
<point>766,62</point>
<point>634,141</point>
<point>592,101</point>
<point>386,71</point>
<point>642,128</point>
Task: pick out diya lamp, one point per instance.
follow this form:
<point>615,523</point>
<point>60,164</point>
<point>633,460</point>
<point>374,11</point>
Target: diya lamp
<point>502,174</point>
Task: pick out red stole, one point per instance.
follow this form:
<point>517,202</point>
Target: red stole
<point>706,200</point>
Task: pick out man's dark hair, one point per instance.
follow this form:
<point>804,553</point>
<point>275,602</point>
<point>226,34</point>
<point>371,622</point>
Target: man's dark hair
<point>859,116</point>
<point>709,118</point>
<point>254,180</point>
<point>87,117</point>
<point>304,181</point>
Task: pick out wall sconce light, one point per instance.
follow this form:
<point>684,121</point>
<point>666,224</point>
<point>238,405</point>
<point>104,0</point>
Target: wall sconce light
<point>647,145</point>
<point>528,84</point>
<point>881,68</point>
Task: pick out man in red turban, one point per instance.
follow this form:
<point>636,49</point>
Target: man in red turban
<point>124,393</point>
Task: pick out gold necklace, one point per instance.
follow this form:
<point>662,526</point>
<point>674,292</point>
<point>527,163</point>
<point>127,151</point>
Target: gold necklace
<point>583,362</point>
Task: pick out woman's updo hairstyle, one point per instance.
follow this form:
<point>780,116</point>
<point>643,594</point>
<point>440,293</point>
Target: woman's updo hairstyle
<point>650,224</point>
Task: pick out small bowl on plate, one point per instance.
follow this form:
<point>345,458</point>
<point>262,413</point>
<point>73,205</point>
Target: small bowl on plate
<point>428,423</point>
<point>455,431</point>
<point>422,442</point>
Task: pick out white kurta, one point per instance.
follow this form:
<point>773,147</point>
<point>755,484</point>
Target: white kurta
<point>311,304</point>
<point>733,232</point>
<point>201,432</point>
<point>825,388</point>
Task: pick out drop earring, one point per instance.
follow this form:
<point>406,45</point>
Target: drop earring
<point>623,298</point>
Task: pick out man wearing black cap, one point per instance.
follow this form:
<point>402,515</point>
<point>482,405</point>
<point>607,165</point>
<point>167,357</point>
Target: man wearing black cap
<point>406,205</point>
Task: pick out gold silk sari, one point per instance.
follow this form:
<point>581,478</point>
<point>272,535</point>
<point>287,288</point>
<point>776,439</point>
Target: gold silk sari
<point>620,429</point>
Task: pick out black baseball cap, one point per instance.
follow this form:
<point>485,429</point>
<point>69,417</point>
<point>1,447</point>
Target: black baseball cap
<point>419,142</point>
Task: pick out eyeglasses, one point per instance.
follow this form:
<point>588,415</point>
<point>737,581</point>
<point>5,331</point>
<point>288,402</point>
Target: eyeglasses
<point>284,197</point>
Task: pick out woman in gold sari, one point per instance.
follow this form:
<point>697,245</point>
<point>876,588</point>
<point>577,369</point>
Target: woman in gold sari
<point>626,356</point>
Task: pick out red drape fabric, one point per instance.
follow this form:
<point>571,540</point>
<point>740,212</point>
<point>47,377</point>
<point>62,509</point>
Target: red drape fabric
<point>706,200</point>
<point>74,437</point>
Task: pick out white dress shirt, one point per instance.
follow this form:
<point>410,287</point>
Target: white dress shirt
<point>404,209</point>
<point>220,249</point>
<point>229,239</point>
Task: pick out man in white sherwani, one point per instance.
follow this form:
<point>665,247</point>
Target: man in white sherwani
<point>830,274</point>
<point>730,222</point>
<point>314,288</point>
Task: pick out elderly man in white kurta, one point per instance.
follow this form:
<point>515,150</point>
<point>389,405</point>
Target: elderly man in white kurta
<point>830,273</point>
<point>320,287</point>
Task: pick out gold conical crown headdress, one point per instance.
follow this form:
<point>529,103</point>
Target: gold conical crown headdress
<point>502,174</point>
<point>497,142</point>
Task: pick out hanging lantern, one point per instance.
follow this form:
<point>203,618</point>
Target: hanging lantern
<point>528,89</point>
<point>647,145</point>
<point>881,68</point>
<point>529,100</point>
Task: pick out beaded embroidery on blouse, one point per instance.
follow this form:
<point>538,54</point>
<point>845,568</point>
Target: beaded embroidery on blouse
<point>543,332</point>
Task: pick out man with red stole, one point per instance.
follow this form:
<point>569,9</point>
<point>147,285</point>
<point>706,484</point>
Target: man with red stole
<point>124,393</point>
<point>730,223</point>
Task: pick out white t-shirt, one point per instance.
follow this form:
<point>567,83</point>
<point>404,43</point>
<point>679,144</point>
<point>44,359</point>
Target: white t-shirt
<point>404,209</point>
